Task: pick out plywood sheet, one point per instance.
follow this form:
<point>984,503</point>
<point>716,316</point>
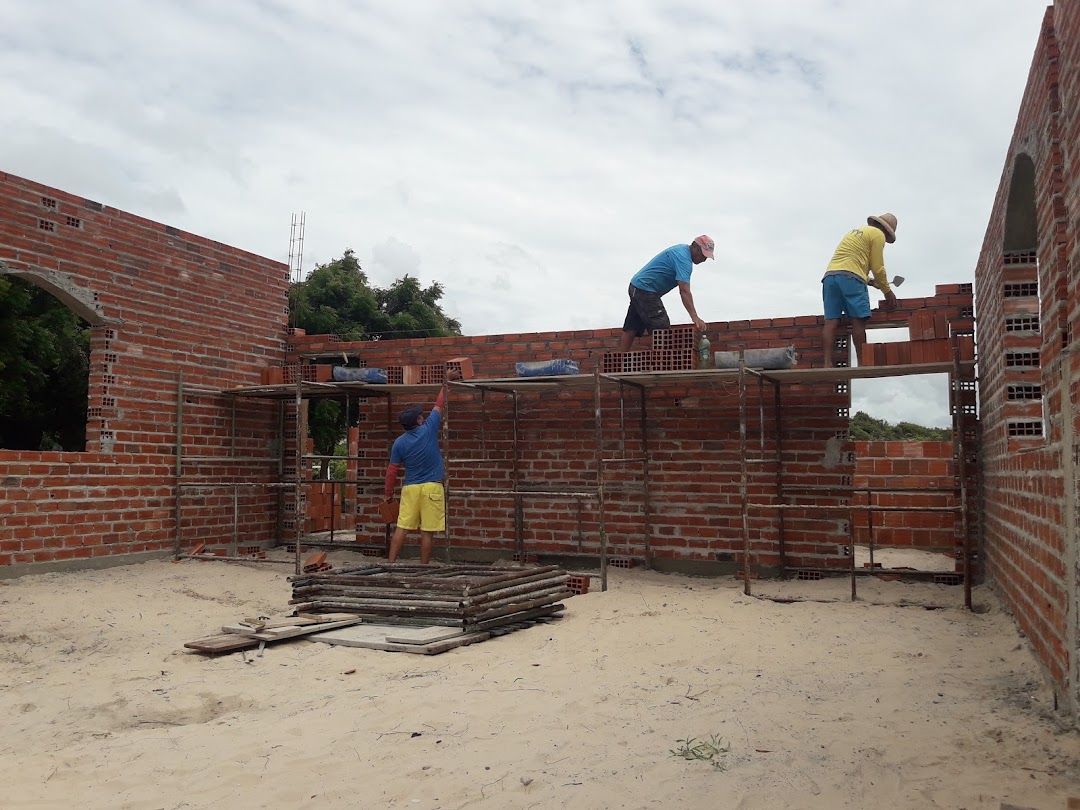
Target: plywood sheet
<point>421,635</point>
<point>372,637</point>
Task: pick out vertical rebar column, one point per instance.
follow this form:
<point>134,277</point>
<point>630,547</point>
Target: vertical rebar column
<point>519,528</point>
<point>483,423</point>
<point>282,493</point>
<point>298,461</point>
<point>333,497</point>
<point>447,483</point>
<point>389,450</point>
<point>743,497</point>
<point>622,420</point>
<point>761,418</point>
<point>347,477</point>
<point>235,520</point>
<point>780,477</point>
<point>647,475</point>
<point>600,481</point>
<point>960,446</point>
<point>179,452</point>
<point>870,525</point>
<point>851,543</point>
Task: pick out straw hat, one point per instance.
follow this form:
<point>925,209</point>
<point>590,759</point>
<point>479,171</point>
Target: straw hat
<point>887,223</point>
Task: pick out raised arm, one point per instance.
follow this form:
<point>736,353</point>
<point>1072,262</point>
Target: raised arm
<point>440,400</point>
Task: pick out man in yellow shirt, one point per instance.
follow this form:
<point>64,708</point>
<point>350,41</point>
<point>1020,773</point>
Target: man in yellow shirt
<point>844,286</point>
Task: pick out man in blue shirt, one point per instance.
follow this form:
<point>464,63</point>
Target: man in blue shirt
<point>422,497</point>
<point>668,269</point>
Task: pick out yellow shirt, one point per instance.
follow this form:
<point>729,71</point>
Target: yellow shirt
<point>862,252</point>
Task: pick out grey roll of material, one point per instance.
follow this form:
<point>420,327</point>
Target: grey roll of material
<point>758,358</point>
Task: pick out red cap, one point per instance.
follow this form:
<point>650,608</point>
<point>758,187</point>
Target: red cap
<point>706,244</point>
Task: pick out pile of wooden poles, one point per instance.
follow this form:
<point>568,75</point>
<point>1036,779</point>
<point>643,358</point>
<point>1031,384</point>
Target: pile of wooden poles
<point>472,597</point>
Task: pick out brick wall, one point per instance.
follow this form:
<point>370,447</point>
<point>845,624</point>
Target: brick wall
<point>693,442</point>
<point>160,301</point>
<point>912,470</point>
<point>1027,304</point>
<point>163,301</point>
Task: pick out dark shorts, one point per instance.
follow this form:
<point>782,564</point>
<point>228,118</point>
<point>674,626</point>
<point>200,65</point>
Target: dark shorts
<point>645,313</point>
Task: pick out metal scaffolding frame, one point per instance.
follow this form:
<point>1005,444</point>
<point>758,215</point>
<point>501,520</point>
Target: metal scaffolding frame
<point>183,392</point>
<point>640,382</point>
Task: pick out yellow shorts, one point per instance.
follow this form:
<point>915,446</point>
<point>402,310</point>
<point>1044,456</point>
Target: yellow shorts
<point>422,507</point>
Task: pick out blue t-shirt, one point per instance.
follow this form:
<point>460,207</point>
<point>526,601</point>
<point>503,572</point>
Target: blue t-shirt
<point>418,450</point>
<point>665,270</point>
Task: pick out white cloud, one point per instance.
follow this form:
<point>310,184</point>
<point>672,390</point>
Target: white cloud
<point>392,259</point>
<point>532,156</point>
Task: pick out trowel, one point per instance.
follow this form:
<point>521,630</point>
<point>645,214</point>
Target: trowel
<point>896,281</point>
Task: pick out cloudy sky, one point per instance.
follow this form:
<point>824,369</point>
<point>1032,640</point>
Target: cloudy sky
<point>531,156</point>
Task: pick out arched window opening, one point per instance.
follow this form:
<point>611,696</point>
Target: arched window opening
<point>44,370</point>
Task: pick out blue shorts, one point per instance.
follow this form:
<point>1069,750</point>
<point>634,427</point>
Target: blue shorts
<point>842,294</point>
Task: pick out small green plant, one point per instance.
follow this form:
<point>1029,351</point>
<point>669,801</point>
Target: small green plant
<point>710,750</point>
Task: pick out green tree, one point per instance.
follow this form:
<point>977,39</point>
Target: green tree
<point>407,310</point>
<point>44,370</point>
<point>866,428</point>
<point>338,299</point>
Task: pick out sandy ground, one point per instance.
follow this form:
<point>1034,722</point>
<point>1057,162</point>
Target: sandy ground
<point>821,705</point>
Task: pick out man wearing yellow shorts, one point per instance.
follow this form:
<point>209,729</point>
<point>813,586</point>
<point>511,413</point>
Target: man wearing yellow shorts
<point>422,504</point>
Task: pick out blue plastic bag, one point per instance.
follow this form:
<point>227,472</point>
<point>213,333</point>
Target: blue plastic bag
<point>546,368</point>
<point>368,375</point>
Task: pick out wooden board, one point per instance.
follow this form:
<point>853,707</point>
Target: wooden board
<point>228,642</point>
<point>271,624</point>
<point>420,635</point>
<point>367,637</point>
<point>292,632</point>
<point>249,626</point>
<point>327,617</point>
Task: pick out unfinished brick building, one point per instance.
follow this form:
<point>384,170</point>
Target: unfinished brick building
<point>186,447</point>
<point>199,393</point>
<point>1027,295</point>
<point>708,472</point>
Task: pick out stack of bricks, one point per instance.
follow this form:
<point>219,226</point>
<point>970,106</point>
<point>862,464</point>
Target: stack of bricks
<point>321,501</point>
<point>428,374</point>
<point>931,332</point>
<point>298,342</point>
<point>673,349</point>
<point>287,374</point>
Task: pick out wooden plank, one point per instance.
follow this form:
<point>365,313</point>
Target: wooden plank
<point>360,637</point>
<point>228,642</point>
<point>327,617</point>
<point>292,632</point>
<point>269,624</point>
<point>259,625</point>
<point>420,635</point>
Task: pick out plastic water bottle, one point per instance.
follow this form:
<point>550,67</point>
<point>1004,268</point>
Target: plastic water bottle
<point>704,352</point>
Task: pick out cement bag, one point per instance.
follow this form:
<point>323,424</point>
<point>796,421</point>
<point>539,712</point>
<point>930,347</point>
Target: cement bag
<point>758,358</point>
<point>547,368</point>
<point>368,375</point>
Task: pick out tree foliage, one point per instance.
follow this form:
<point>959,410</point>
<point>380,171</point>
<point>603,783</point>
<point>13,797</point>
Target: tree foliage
<point>44,370</point>
<point>338,299</point>
<point>867,428</point>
